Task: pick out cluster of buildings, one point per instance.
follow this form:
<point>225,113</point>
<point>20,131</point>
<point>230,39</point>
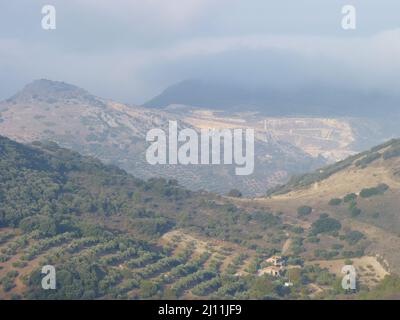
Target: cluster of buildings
<point>276,266</point>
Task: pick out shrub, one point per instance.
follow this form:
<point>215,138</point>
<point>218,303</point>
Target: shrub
<point>350,197</point>
<point>335,202</point>
<point>325,224</point>
<point>298,230</point>
<point>235,193</point>
<point>304,210</point>
<point>375,215</point>
<point>353,237</point>
<point>355,211</point>
<point>265,219</point>
<point>391,153</point>
<point>148,289</point>
<point>337,246</point>
<point>369,192</point>
<point>367,159</point>
<point>313,239</point>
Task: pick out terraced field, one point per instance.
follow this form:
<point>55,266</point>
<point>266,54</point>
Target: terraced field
<point>132,269</point>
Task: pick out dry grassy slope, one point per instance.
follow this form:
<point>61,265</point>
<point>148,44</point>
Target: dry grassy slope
<point>351,179</point>
<point>369,270</point>
<point>383,231</point>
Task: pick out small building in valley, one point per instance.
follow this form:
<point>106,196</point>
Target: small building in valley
<point>276,260</point>
<point>275,271</point>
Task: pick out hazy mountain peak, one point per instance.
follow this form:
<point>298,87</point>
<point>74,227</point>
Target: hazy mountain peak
<point>50,91</point>
<point>310,99</point>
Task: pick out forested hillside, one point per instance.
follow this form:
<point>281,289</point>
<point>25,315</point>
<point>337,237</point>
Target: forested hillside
<point>101,228</point>
<point>111,235</point>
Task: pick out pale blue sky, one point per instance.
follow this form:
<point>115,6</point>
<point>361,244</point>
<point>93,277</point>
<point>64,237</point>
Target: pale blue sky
<point>129,50</point>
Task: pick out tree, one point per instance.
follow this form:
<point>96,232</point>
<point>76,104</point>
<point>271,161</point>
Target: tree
<point>354,211</point>
<point>325,224</point>
<point>148,289</point>
<point>304,210</point>
<point>335,202</point>
<point>262,287</point>
<point>353,237</point>
<point>350,197</point>
<point>379,189</point>
<point>235,193</point>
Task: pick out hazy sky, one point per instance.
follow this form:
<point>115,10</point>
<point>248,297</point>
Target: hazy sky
<point>129,50</point>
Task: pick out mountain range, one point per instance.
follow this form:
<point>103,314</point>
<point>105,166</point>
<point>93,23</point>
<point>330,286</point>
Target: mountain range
<point>310,100</point>
<point>115,133</point>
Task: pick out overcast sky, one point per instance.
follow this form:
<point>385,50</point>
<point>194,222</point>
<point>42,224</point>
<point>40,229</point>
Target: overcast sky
<point>130,50</point>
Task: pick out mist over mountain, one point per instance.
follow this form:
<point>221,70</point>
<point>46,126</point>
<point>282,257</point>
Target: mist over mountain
<point>306,100</point>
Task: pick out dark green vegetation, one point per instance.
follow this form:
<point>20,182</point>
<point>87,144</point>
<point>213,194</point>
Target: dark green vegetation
<point>369,192</point>
<point>335,201</point>
<point>46,188</point>
<point>393,152</point>
<point>101,227</point>
<point>325,224</point>
<point>304,211</point>
<point>235,193</point>
<point>353,237</point>
<point>350,197</point>
<point>50,190</point>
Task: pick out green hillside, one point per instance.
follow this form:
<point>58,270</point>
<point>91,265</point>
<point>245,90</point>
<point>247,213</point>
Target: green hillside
<point>101,228</point>
<point>112,236</point>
